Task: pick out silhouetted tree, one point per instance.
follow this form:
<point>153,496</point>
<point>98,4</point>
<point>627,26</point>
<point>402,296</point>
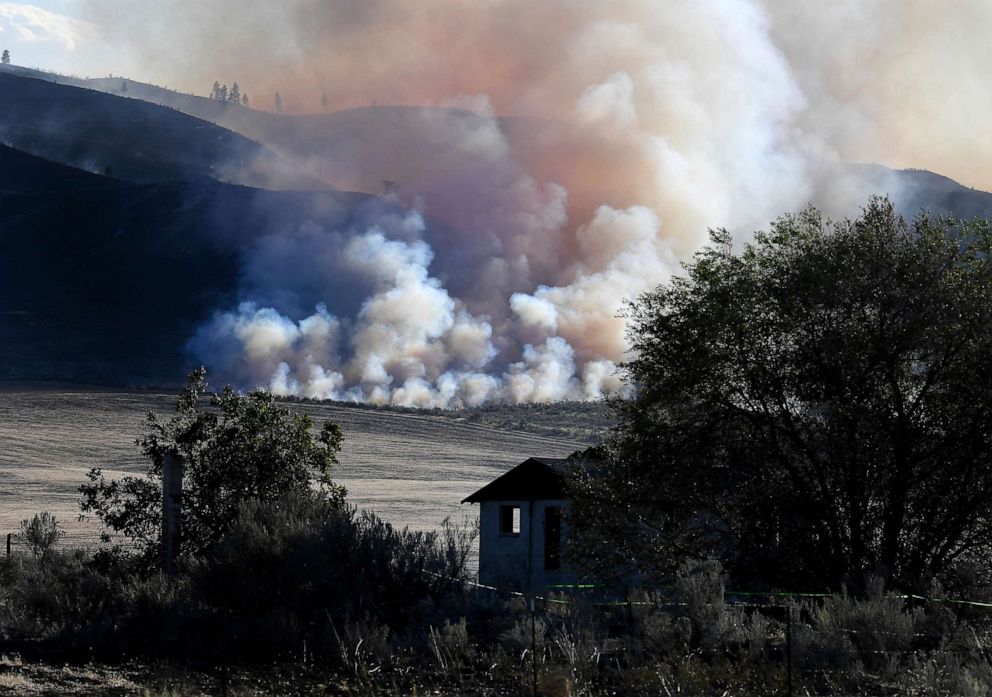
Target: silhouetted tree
<point>235,94</point>
<point>215,92</point>
<point>812,409</point>
<point>222,94</point>
<point>244,99</point>
<point>278,103</point>
<point>5,59</point>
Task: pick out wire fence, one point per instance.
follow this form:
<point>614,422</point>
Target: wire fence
<point>795,640</point>
<point>564,589</point>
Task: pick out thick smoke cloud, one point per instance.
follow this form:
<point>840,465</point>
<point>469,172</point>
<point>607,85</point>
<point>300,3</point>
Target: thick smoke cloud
<point>638,125</point>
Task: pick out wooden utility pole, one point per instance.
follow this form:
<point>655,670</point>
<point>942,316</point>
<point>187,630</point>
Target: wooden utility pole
<point>172,510</point>
<point>532,601</point>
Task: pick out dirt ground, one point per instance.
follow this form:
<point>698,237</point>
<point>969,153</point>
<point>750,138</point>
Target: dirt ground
<point>35,679</point>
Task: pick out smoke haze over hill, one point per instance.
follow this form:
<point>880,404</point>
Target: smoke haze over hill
<point>646,123</point>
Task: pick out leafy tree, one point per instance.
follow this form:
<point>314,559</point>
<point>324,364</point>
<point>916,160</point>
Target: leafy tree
<point>222,93</point>
<point>5,59</point>
<point>245,448</point>
<point>235,94</point>
<point>41,533</point>
<point>278,103</point>
<point>813,409</point>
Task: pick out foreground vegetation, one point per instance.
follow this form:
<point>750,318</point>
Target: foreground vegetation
<point>814,410</point>
<point>299,602</point>
<point>812,414</point>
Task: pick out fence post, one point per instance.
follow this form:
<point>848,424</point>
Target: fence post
<point>533,640</point>
<point>788,646</point>
<point>223,676</point>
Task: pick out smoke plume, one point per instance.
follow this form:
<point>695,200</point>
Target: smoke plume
<point>563,156</point>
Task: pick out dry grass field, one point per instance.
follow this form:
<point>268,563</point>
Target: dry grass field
<point>412,468</point>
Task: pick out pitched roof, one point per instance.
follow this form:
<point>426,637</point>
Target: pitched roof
<point>533,479</point>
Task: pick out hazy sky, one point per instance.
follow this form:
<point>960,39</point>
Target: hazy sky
<point>51,34</point>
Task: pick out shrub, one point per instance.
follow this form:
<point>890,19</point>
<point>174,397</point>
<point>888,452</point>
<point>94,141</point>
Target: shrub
<point>321,563</point>
<point>41,533</point>
<point>62,597</point>
<point>700,586</point>
<point>525,633</point>
<point>941,675</point>
<point>450,646</point>
<point>363,646</point>
<point>875,627</point>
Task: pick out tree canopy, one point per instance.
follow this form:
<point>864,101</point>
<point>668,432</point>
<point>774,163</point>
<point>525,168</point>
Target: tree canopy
<point>243,448</point>
<point>812,409</point>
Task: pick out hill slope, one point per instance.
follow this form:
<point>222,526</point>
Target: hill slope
<point>103,281</point>
<point>358,149</point>
<point>130,138</point>
<point>24,173</point>
<point>412,468</point>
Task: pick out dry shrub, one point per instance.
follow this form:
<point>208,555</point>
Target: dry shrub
<point>581,652</point>
<point>363,648</point>
<point>943,675</point>
<point>451,646</point>
<point>847,632</point>
<point>518,639</point>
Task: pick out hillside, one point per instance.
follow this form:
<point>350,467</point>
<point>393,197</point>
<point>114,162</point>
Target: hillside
<point>21,172</point>
<point>916,189</point>
<point>415,146</point>
<point>425,150</point>
<point>131,139</point>
<point>103,281</point>
<point>357,149</point>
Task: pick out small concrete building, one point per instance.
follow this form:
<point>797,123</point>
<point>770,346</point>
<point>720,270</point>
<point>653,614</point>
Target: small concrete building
<point>522,526</point>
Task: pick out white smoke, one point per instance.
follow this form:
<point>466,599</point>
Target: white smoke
<point>410,344</point>
<point>654,122</point>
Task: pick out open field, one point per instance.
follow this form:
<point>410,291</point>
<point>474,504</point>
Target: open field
<point>413,468</point>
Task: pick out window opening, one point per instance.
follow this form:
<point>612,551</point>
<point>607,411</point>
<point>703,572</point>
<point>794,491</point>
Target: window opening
<point>509,520</point>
